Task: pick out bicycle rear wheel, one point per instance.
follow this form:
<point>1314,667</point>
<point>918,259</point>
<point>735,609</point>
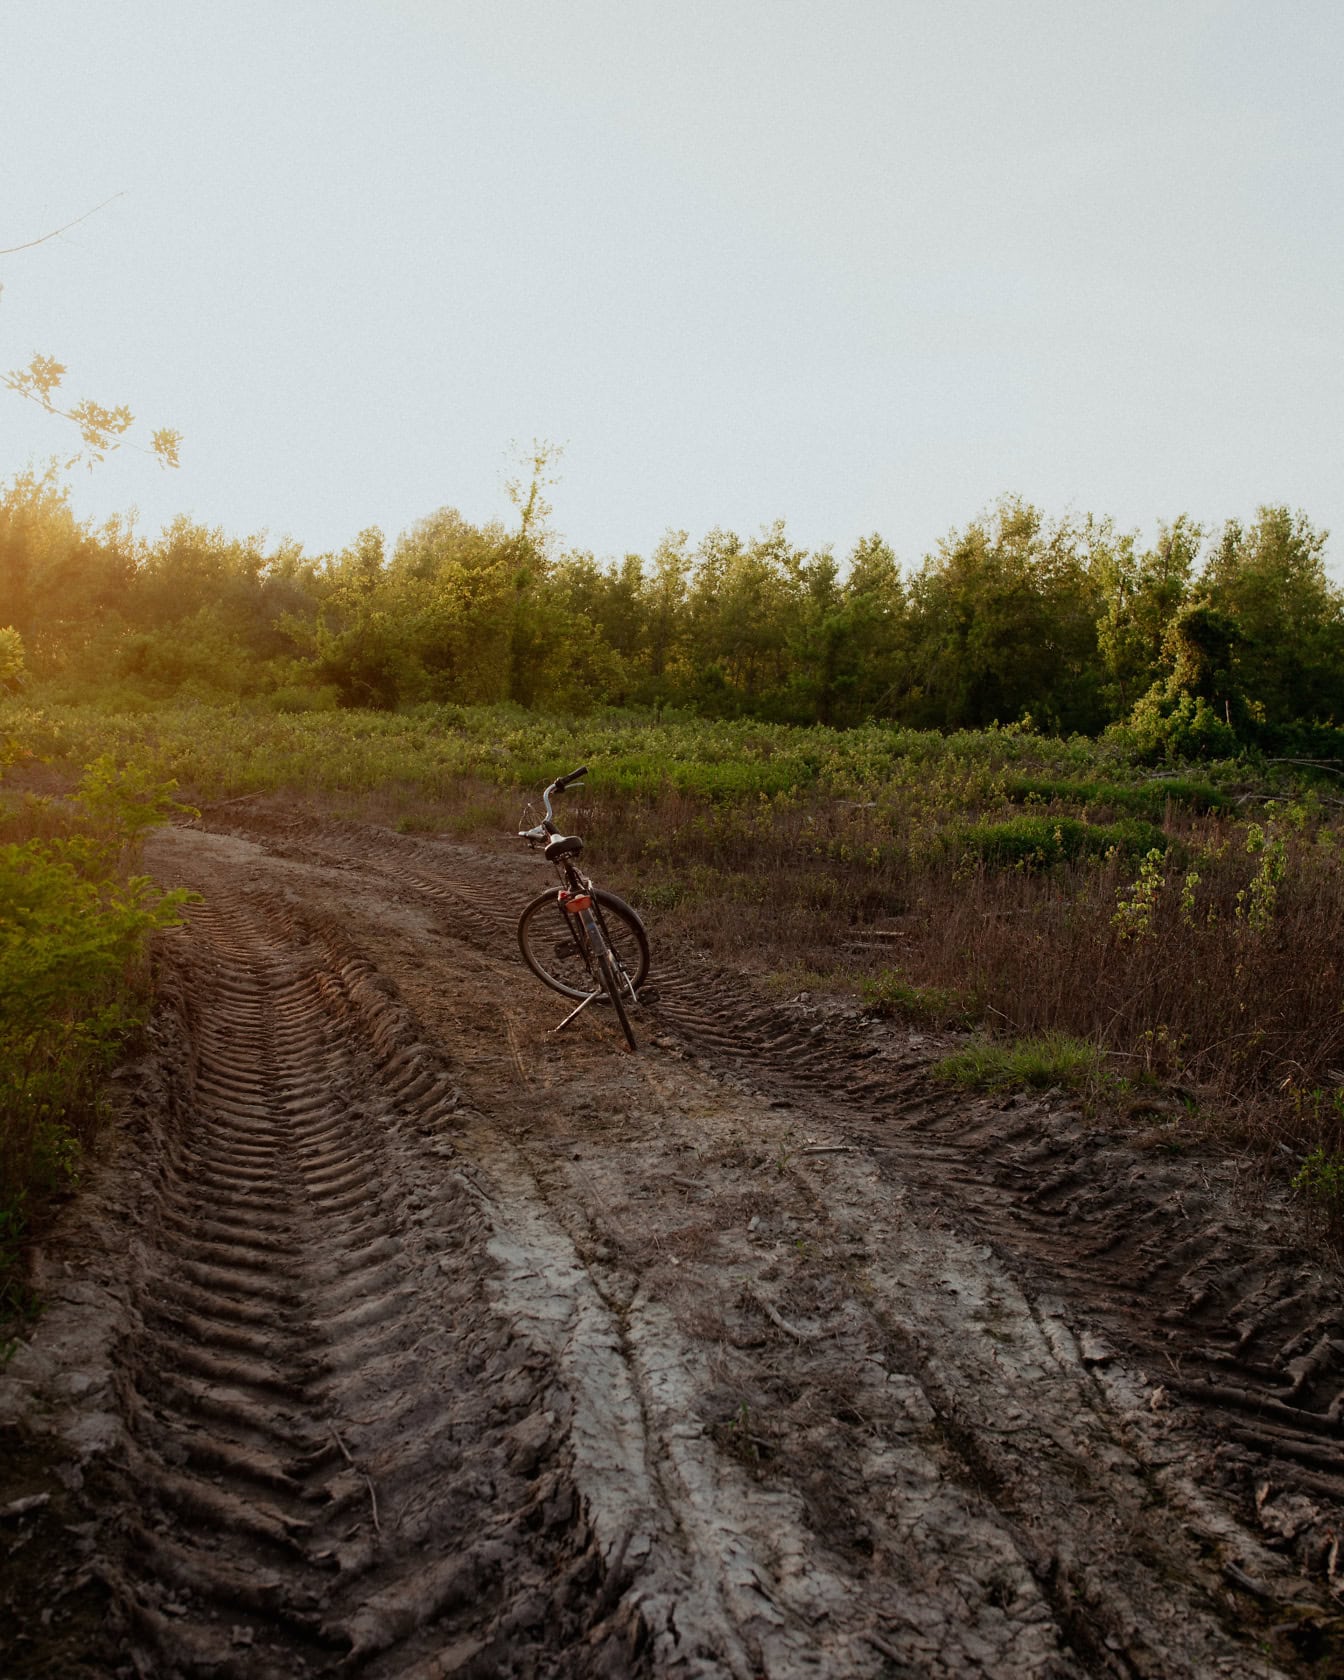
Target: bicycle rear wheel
<point>556,949</point>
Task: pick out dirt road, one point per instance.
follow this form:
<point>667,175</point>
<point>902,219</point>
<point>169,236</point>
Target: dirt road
<point>404,1338</point>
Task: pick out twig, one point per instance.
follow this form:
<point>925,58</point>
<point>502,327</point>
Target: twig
<point>799,1335</point>
<point>368,1483</point>
<point>373,1500</point>
<point>880,1644</point>
<point>830,1149</point>
<point>1330,764</point>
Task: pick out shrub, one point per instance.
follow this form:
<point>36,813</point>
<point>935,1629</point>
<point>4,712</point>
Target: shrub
<point>73,927</point>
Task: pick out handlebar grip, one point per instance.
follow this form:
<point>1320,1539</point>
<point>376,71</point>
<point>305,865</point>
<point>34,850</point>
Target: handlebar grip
<point>562,782</point>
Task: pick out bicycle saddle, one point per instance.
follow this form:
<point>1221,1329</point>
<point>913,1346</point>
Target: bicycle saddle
<point>564,845</point>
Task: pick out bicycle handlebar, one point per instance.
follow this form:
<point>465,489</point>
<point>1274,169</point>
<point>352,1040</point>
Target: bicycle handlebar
<point>557,786</point>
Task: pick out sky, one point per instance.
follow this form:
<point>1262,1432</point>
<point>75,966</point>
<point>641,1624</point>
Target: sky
<point>862,265</point>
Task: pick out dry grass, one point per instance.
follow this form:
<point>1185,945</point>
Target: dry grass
<point>1217,968</point>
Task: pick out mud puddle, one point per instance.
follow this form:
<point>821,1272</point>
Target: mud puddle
<point>404,1338</point>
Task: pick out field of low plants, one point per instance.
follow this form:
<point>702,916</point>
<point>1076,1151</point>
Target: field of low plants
<point>1169,940</point>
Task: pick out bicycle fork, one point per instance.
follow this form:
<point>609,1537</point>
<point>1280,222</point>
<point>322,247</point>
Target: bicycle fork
<point>596,943</point>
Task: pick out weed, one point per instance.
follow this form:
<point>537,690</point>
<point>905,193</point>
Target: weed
<point>1320,1179</point>
<point>1134,905</point>
<point>1035,842</point>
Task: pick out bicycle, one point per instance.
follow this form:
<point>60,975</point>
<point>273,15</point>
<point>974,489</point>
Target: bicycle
<point>581,940</point>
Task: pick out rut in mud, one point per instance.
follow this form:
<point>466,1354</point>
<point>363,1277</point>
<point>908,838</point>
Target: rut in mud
<point>413,1341</point>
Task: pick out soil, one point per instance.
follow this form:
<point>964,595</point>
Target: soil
<point>401,1336</point>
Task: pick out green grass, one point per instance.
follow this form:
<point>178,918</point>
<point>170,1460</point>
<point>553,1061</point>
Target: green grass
<point>889,993</point>
<point>1150,799</point>
<point>1036,1063</point>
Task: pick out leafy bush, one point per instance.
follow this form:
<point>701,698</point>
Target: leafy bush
<point>1177,728</point>
<point>1320,1180</point>
<point>73,927</point>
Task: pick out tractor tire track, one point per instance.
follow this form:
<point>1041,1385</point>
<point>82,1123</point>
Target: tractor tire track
<point>318,1400</point>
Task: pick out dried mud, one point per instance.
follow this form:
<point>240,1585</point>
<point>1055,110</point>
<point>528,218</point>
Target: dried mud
<point>401,1337</point>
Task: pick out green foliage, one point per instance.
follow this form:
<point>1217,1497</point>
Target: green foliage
<point>1320,1180</point>
<point>1150,799</point>
<point>101,429</point>
<point>73,927</point>
<point>1012,619</point>
<point>1135,904</point>
<point>1039,1063</point>
<point>1178,728</point>
<point>1270,582</point>
<point>1004,625</point>
<point>1040,842</point>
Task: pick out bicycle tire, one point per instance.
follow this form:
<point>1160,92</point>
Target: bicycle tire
<point>612,982</point>
<point>556,950</point>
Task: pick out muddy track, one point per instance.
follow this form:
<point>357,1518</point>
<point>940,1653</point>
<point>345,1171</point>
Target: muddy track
<point>412,1341</point>
<point>1238,1320</point>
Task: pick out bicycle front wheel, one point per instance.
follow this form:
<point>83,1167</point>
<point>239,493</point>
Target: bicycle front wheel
<point>556,949</point>
<point>611,980</point>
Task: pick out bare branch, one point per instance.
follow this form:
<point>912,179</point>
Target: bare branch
<point>9,250</point>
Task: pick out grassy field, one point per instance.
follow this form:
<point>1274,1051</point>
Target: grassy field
<point>1087,919</point>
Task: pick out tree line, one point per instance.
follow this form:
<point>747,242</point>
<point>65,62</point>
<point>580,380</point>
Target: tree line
<point>1200,640</point>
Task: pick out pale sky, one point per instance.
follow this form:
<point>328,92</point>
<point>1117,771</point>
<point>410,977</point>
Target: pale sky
<point>859,264</point>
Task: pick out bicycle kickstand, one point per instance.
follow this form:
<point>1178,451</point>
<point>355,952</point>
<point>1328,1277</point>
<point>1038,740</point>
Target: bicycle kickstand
<point>573,1012</point>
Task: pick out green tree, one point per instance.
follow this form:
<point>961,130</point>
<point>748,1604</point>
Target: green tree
<point>1271,581</point>
<point>875,653</point>
<point>60,582</point>
<point>1004,625</point>
<point>740,605</point>
<point>11,659</point>
<point>1141,593</point>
